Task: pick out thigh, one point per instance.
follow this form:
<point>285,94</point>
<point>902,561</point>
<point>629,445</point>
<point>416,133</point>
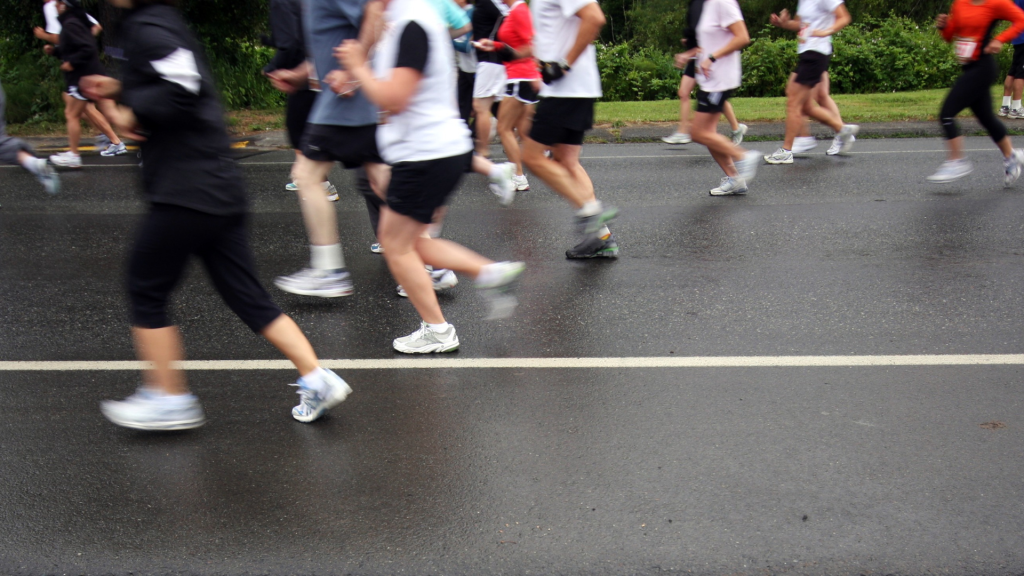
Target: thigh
<point>509,112</point>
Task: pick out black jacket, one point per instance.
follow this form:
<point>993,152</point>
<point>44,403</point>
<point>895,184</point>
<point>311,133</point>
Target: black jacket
<point>168,85</point>
<point>286,35</point>
<point>692,19</point>
<point>77,47</point>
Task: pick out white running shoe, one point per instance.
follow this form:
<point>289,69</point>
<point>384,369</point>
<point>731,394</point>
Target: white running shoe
<point>376,248</point>
<point>148,409</point>
<point>502,186</point>
<point>738,134</point>
<point>1016,113</point>
<point>951,170</point>
<point>332,192</point>
<point>47,176</point>
<point>1003,110</point>
<point>495,283</point>
<point>835,148</point>
<point>314,401</point>
<point>677,138</point>
<point>66,160</point>
<point>730,187</point>
<point>747,167</point>
<point>426,341</point>
<point>291,186</point>
<point>846,137</point>
<point>1012,167</point>
<point>313,282</point>
<point>522,185</point>
<point>780,156</point>
<point>114,150</point>
<point>442,278</point>
<point>804,144</point>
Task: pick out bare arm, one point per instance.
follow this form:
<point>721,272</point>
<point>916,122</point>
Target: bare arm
<point>740,40</point>
<point>392,95</point>
<point>373,24</point>
<point>784,21</point>
<point>843,20</point>
<point>591,21</point>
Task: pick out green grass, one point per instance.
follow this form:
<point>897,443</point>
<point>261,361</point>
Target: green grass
<point>856,108</point>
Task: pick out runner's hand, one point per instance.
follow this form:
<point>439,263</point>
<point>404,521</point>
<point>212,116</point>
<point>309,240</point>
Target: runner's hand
<point>99,87</point>
<point>39,33</point>
<point>485,45</point>
<point>941,20</point>
<point>66,66</point>
<point>551,71</point>
<point>341,83</point>
<point>705,67</point>
<point>994,47</point>
<point>350,54</point>
<point>781,19</point>
<point>48,49</point>
<point>123,118</point>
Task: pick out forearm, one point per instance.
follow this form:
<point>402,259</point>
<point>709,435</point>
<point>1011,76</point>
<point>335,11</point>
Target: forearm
<point>386,94</point>
<point>373,24</point>
<point>737,43</point>
<point>591,21</point>
<point>457,32</point>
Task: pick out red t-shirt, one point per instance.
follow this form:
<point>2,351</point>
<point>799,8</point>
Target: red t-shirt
<point>968,24</point>
<point>517,31</point>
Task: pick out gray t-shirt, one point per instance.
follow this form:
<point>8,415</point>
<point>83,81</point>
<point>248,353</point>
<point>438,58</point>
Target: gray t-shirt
<point>328,24</point>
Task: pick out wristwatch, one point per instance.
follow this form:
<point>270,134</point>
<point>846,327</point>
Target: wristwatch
<point>712,58</point>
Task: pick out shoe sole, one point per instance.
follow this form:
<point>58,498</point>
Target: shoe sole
<point>319,293</point>
<point>338,397</point>
<point>777,162</point>
<point>948,180</point>
<point>610,254</point>
<point>163,426</point>
<point>435,349</point>
<point>677,143</point>
<point>734,193</point>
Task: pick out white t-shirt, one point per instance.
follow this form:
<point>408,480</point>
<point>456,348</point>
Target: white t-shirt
<point>430,127</point>
<point>52,23</point>
<point>712,34</point>
<point>555,26</point>
<point>816,15</point>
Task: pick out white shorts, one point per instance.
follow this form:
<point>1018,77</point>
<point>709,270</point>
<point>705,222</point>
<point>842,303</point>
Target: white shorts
<point>490,80</point>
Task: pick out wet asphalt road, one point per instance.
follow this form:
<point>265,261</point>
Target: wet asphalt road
<point>736,470</point>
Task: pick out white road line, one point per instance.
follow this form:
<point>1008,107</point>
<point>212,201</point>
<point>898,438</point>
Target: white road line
<point>634,362</point>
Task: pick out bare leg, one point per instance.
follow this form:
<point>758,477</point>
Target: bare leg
<point>287,337</point>
<point>956,148</point>
<point>73,110</point>
<point>99,120</point>
<point>686,86</point>
<point>161,347</point>
<point>722,149</point>
<point>566,177</point>
<point>320,218</point>
<point>482,108</point>
<point>730,116</point>
<point>510,111</point>
<point>399,235</point>
<point>797,97</point>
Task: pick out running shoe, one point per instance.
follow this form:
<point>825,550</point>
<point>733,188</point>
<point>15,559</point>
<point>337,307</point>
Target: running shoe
<point>442,278</point>
<point>835,148</point>
<point>148,409</point>
<point>803,144</point>
<point>291,187</point>
<point>314,401</point>
<point>730,187</point>
<point>495,283</point>
<point>1012,166</point>
<point>846,137</point>
<point>1017,113</point>
<point>376,248</point>
<point>951,170</point>
<point>594,247</point>
<point>101,141</point>
<point>66,160</point>
<point>332,192</point>
<point>313,282</point>
<point>114,150</point>
<point>591,224</point>
<point>502,186</point>
<point>426,341</point>
<point>738,134</point>
<point>1004,110</point>
<point>522,185</point>
<point>47,176</point>
<point>677,138</point>
<point>747,167</point>
<point>780,156</point>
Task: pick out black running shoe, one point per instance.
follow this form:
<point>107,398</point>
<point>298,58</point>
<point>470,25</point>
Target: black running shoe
<point>594,247</point>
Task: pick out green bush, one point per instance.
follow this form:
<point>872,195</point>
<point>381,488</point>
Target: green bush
<point>238,72</point>
<point>33,85</point>
<point>631,74</point>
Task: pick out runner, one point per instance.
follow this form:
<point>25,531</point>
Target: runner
<point>17,152</point>
<point>815,23</point>
<point>689,82</point>
<point>969,26</point>
<point>429,148</point>
<point>342,128</point>
<point>489,84</point>
<point>197,206</point>
<point>721,33</point>
<point>514,48</point>
<point>565,33</point>
<point>80,57</point>
<point>1013,86</point>
<point>805,142</point>
<point>287,37</point>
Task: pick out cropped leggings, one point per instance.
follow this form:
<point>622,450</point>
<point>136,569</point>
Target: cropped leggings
<point>971,90</point>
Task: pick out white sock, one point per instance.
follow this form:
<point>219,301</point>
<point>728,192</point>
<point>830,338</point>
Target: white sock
<point>1015,105</point>
<point>497,172</point>
<point>1006,101</point>
<point>442,327</point>
<point>33,165</point>
<point>314,380</point>
<point>590,209</point>
<point>326,257</point>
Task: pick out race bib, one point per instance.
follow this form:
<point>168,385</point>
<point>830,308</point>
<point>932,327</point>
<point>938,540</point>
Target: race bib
<point>964,48</point>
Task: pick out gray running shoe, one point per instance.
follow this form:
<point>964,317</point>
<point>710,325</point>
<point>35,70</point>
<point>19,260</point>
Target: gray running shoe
<point>442,278</point>
<point>314,402</point>
<point>677,138</point>
<point>1012,167</point>
<point>738,134</point>
<point>730,187</point>
<point>1016,113</point>
<point>114,150</point>
<point>47,176</point>
<point>426,341</point>
<point>591,224</point>
<point>1004,110</point>
<point>313,282</point>
<point>332,192</point>
<point>780,156</point>
<point>149,410</point>
<point>951,170</point>
<point>594,247</point>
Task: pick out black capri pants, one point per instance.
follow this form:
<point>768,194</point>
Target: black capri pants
<point>168,237</point>
<point>971,90</point>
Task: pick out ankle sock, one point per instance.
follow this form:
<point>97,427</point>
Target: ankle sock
<point>442,327</point>
<point>1006,101</point>
<point>314,380</point>
<point>1015,105</point>
<point>590,209</point>
<point>326,257</point>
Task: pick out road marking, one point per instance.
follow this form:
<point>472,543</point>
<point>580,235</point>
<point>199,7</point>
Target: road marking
<point>627,362</point>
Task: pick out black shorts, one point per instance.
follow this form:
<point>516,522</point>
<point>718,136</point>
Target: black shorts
<point>353,146</point>
<point>712,102</point>
<point>74,93</point>
<point>1017,65</point>
<point>168,237</point>
<point>417,189</point>
<point>562,121</point>
<point>296,113</point>
<point>522,90</point>
<point>691,69</point>
<point>810,67</point>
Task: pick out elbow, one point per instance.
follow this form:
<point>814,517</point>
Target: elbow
<point>599,20</point>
